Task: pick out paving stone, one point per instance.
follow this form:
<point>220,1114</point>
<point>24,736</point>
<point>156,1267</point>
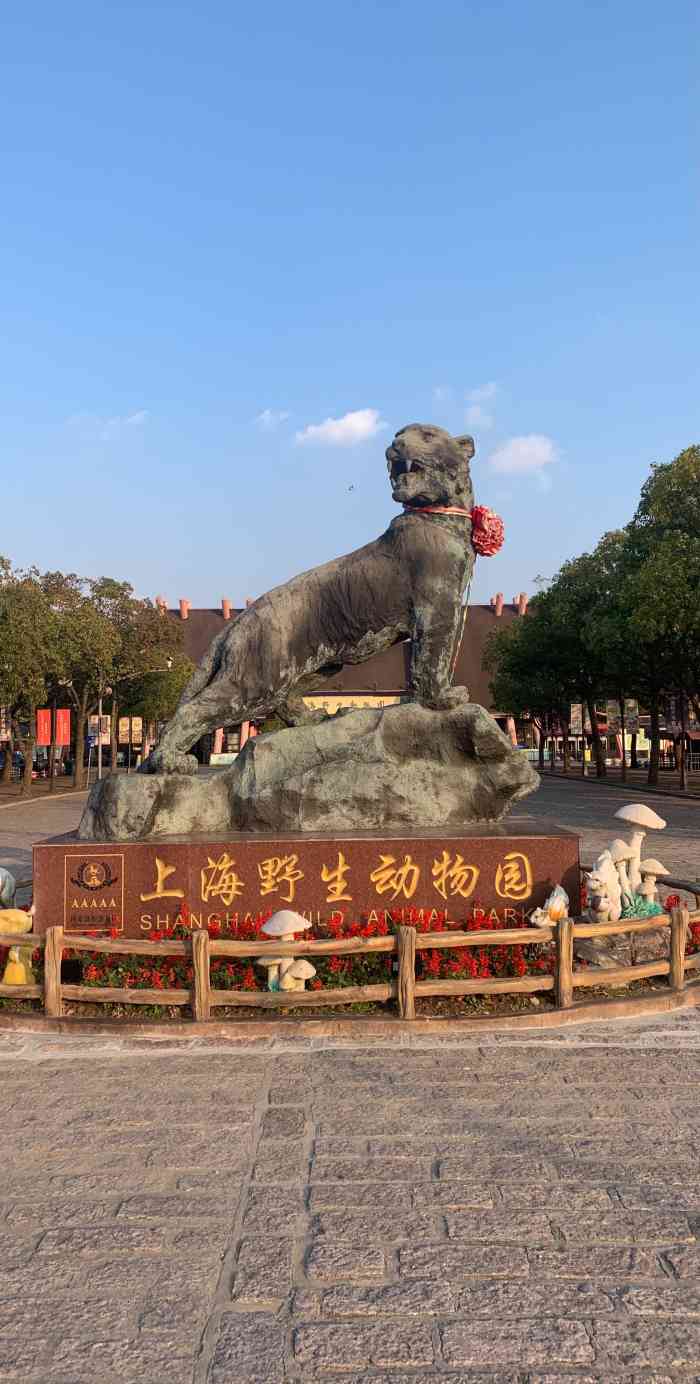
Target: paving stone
<point>297,1093</point>
<point>640,1228</point>
<point>663,1300</point>
<point>171,1208</point>
<point>662,1198</point>
<point>340,1196</point>
<point>461,1377</point>
<point>683,1262</point>
<point>263,1270</point>
<point>23,1359</point>
<point>412,1298</point>
<point>502,1301</point>
<point>667,1345</point>
<point>120,1239</point>
<point>376,1225</point>
<point>128,1275</point>
<point>282,1123</point>
<point>600,1261</point>
<point>556,1196</point>
<point>528,1228</point>
<point>335,1347</point>
<point>146,1358</point>
<point>453,1196</point>
<point>182,1316</point>
<point>516,1343</point>
<point>249,1348</point>
<point>370,1170</point>
<point>268,1213</point>
<point>277,1164</point>
<point>448,1261</point>
<point>45,1315</point>
<point>327,1260</point>
<point>59,1211</point>
<point>482,1168</point>
<point>227,1185</point>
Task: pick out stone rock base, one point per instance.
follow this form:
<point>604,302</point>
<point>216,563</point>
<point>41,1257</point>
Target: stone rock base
<point>391,768</point>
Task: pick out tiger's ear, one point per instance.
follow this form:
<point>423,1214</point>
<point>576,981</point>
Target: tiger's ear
<point>466,446</point>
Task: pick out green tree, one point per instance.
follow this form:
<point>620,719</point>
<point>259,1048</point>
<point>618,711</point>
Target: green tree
<point>29,658</point>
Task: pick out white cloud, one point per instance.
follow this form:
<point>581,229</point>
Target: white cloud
<point>271,418</point>
<point>354,427</point>
<point>106,429</point>
<point>477,417</point>
<point>482,393</point>
<point>442,394</point>
<point>525,456</point>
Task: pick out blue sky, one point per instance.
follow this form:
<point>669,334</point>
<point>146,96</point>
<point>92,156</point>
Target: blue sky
<point>224,225</point>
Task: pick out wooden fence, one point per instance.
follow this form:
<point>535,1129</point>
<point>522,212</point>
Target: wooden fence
<point>403,987</point>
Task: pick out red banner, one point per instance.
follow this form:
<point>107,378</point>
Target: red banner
<point>63,725</point>
<point>43,726</point>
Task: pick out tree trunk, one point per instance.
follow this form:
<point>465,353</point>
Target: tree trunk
<point>655,737</point>
<point>633,752</point>
<point>623,765</point>
<point>598,748</point>
<point>566,729</point>
<point>114,738</point>
<point>682,765</point>
<point>6,775</point>
<point>81,723</point>
<point>28,751</point>
<point>540,747</point>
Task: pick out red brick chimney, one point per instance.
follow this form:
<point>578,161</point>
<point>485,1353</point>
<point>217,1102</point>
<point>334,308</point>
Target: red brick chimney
<point>498,604</point>
<point>184,608</point>
<point>226,608</point>
<point>522,603</point>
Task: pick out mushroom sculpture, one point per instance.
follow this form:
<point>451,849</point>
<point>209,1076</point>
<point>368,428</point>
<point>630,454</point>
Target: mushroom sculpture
<point>271,964</point>
<point>622,853</point>
<point>296,976</point>
<point>651,870</point>
<point>283,926</point>
<point>643,819</point>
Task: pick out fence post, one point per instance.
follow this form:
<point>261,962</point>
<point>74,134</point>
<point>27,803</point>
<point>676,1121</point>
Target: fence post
<point>53,951</point>
<point>200,958</point>
<point>407,972</point>
<point>679,931</point>
<point>565,963</point>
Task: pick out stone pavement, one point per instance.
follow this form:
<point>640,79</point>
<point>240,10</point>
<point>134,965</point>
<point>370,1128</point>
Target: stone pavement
<point>497,1208</point>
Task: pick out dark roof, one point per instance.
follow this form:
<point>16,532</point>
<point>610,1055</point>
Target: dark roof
<point>387,672</point>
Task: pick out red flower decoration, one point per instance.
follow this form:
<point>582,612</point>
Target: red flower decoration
<point>487,531</point>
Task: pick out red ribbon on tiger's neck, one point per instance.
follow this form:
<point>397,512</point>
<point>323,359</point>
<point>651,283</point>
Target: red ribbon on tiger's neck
<point>437,509</point>
<point>487,528</point>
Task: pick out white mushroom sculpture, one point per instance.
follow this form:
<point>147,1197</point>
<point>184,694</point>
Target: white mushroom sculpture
<point>283,926</point>
<point>296,975</point>
<point>643,819</point>
<point>623,853</point>
<point>271,964</point>
<point>651,870</point>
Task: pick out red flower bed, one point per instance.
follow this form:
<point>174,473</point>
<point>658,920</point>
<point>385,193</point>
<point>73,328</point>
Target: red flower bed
<point>175,972</point>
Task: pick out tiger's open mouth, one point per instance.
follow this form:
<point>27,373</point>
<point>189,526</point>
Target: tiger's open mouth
<point>403,466</point>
